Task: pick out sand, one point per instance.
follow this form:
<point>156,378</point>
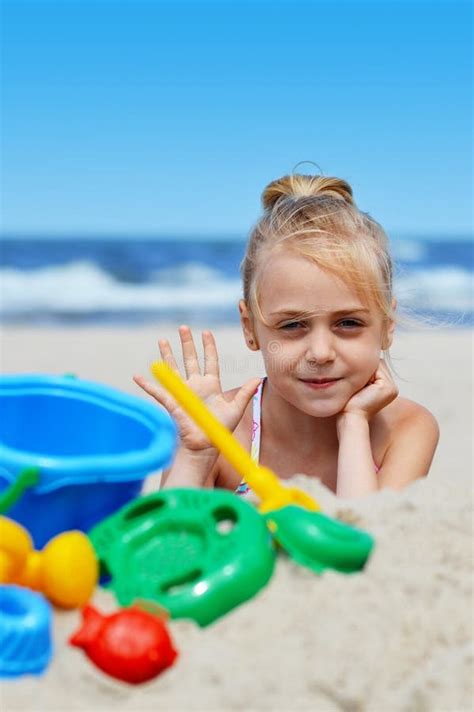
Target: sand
<point>397,636</point>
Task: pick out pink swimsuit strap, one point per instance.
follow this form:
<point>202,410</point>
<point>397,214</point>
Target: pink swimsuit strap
<point>243,488</point>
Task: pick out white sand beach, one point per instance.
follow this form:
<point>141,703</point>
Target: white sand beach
<point>396,636</point>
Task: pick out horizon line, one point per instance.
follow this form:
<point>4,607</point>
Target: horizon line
<point>210,236</point>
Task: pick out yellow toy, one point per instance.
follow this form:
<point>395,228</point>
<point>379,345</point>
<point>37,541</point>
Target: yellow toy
<point>66,570</point>
<point>308,536</point>
<point>262,480</point>
<point>15,547</point>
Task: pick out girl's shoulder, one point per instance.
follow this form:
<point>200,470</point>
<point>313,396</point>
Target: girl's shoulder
<point>404,429</point>
<point>403,412</point>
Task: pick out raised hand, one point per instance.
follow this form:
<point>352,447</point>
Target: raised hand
<point>379,392</point>
<point>228,408</point>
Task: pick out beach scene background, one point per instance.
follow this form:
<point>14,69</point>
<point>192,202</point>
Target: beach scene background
<point>197,280</point>
<point>137,138</point>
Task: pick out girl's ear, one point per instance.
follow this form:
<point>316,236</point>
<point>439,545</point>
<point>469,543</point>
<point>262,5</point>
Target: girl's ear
<point>247,326</point>
<point>389,328</point>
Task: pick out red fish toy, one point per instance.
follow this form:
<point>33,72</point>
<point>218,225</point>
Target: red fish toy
<point>131,645</point>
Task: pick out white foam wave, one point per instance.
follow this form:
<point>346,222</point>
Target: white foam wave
<point>82,287</point>
<point>441,289</point>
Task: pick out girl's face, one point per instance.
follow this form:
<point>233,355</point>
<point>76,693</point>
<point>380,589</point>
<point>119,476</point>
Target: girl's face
<point>314,362</point>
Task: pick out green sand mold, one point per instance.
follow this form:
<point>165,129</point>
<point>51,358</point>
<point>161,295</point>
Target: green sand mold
<point>197,553</point>
<point>319,542</point>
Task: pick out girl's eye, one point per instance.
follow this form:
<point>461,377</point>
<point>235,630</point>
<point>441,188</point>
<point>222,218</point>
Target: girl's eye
<point>292,325</point>
<point>350,323</point>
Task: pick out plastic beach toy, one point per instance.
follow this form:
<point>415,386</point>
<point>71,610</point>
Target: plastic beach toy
<point>262,480</point>
<point>312,539</point>
<point>92,444</point>
<point>26,478</point>
<point>198,553</point>
<point>131,645</point>
<point>66,570</point>
<point>15,548</point>
<point>25,632</point>
<point>317,541</point>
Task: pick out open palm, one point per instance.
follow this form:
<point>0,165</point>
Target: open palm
<point>228,408</point>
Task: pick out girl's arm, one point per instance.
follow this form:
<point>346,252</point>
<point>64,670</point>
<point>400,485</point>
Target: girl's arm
<point>191,469</point>
<point>196,457</point>
<point>412,445</point>
<point>356,473</point>
<point>410,453</point>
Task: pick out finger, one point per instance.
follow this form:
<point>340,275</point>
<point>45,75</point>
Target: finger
<point>377,377</point>
<point>211,357</point>
<point>156,392</point>
<point>385,382</point>
<point>190,357</point>
<point>167,355</point>
<point>383,372</point>
<point>246,392</point>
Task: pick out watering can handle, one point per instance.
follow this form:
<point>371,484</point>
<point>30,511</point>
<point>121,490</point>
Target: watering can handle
<point>28,477</point>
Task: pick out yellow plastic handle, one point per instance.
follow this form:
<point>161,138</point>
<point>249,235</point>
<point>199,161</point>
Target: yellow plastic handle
<point>262,480</point>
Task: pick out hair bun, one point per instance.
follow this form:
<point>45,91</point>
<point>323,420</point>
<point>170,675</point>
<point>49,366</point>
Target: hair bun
<point>301,186</point>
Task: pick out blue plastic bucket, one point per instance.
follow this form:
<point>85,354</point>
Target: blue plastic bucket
<point>94,446</point>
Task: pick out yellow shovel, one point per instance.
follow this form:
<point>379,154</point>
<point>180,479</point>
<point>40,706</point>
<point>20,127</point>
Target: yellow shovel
<point>266,485</point>
<point>308,536</point>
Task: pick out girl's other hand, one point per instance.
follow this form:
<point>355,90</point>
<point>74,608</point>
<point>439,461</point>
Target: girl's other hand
<point>379,392</point>
<point>228,408</point>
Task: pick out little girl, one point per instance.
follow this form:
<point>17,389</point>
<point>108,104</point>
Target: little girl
<point>318,304</point>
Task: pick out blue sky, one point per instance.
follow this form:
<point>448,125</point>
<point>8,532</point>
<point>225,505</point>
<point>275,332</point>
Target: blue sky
<point>154,117</point>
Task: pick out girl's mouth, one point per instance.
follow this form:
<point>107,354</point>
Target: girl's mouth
<point>318,383</point>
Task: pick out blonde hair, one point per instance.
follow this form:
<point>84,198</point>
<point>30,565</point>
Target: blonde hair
<point>316,217</point>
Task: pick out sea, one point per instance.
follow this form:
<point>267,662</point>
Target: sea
<point>196,280</point>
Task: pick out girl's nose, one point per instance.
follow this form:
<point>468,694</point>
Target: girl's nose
<point>320,349</point>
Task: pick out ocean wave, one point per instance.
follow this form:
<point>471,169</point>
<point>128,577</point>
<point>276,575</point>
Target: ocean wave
<point>84,289</point>
<point>440,289</point>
